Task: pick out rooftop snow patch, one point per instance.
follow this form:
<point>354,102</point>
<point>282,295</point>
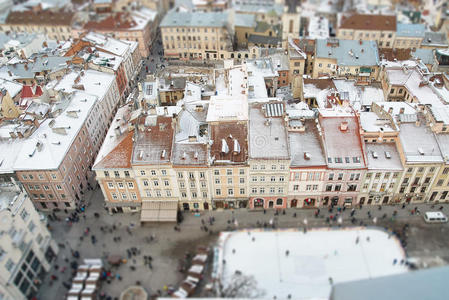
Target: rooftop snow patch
<point>315,258</point>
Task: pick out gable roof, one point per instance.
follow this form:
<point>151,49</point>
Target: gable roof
<point>120,155</point>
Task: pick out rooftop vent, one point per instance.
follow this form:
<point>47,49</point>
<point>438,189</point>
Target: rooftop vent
<point>344,126</point>
<point>307,156</point>
<point>387,154</point>
<point>163,153</point>
<point>421,151</point>
<point>375,156</point>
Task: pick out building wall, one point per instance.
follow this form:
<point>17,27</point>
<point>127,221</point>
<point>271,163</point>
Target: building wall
<point>54,32</point>
<point>305,187</point>
<point>26,248</point>
<point>63,187</point>
<point>337,186</point>
<point>119,189</point>
<point>268,180</point>
<point>378,187</point>
<point>195,42</point>
<point>440,187</point>
<point>193,186</point>
<point>385,39</point>
<point>156,182</point>
<point>407,42</point>
<point>227,188</point>
<point>416,182</point>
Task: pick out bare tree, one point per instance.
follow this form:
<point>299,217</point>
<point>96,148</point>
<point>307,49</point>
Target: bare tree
<point>240,286</point>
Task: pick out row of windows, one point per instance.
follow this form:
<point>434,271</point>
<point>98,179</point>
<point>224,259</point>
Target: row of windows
<point>383,186</point>
<point>309,176</point>
<point>230,192</point>
<point>378,175</point>
<point>120,185</point>
<point>192,184</point>
<point>49,196</point>
<point>271,190</point>
<point>337,187</point>
<point>188,30</point>
<point>339,160</point>
<point>124,196</point>
<point>262,167</point>
<point>55,204</point>
<point>40,176</point>
<point>230,180</point>
<point>309,187</point>
<point>352,176</point>
<point>272,179</point>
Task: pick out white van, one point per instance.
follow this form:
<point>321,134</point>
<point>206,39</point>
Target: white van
<point>435,217</point>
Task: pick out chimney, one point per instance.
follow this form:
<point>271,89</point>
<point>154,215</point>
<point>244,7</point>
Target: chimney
<point>192,138</point>
<point>418,122</point>
<point>117,131</point>
<point>165,110</point>
<point>344,126</point>
<point>401,110</point>
<point>360,42</point>
<point>390,110</point>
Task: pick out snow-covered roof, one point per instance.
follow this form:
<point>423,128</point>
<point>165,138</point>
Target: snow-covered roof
<point>349,52</point>
<point>107,43</point>
<point>245,20</point>
<point>371,122</point>
<point>383,156</point>
<point>419,143</point>
<point>416,84</point>
<point>440,113</point>
<point>45,148</point>
<point>341,139</point>
<point>94,82</point>
<point>305,147</point>
<point>396,107</point>
<point>194,19</point>
<point>116,149</point>
<point>410,30</point>
<point>13,87</point>
<point>267,133</point>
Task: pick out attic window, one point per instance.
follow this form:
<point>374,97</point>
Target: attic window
<point>307,156</point>
<point>421,151</point>
<point>387,154</point>
<point>375,155</point>
<point>163,153</point>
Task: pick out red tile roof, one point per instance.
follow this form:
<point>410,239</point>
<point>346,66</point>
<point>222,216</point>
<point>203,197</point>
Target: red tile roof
<point>27,91</point>
<point>117,21</point>
<point>229,131</point>
<point>369,22</point>
<point>120,156</point>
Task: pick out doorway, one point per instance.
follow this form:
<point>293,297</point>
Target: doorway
<point>258,203</point>
<point>294,203</point>
<point>206,206</point>
<point>186,206</point>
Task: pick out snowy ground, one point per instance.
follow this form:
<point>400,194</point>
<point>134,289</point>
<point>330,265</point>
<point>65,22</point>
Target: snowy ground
<point>313,258</point>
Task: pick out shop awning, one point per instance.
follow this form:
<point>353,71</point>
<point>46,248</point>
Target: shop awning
<point>159,211</point>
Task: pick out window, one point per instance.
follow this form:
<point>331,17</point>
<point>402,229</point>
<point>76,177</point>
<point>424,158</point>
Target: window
<point>114,196</point>
<point>340,176</point>
<point>182,184</point>
<point>153,172</point>
<point>145,183</point>
<point>192,184</point>
<point>204,194</point>
<point>262,190</point>
<point>9,264</point>
<point>216,172</point>
<point>273,178</point>
<point>134,196</point>
<point>242,171</point>
<point>31,226</point>
<point>180,175</point>
<point>24,214</point>
<point>121,185</point>
<point>331,176</point>
<point>110,185</point>
<point>58,187</point>
<point>262,178</point>
<point>124,196</point>
<point>116,174</point>
<point>229,172</point>
<point>53,176</point>
<point>218,192</point>
<point>440,182</point>
<point>328,187</point>
<point>230,192</point>
<point>158,193</point>
<point>420,170</point>
<point>126,173</point>
<point>273,167</point>
<point>131,185</point>
<point>262,167</point>
<point>25,177</point>
<point>164,172</point>
<point>446,170</point>
<point>194,195</point>
<point>229,180</point>
<point>202,175</point>
<point>254,178</point>
<point>142,172</point>
<point>242,180</point>
<point>217,180</point>
<point>272,190</point>
<point>191,176</point>
<point>242,191</point>
<point>337,187</point>
<point>148,193</point>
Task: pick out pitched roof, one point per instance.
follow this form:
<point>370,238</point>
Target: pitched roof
<point>348,52</point>
<point>368,22</point>
<point>120,156</point>
<point>224,136</point>
<point>29,91</point>
<point>43,17</point>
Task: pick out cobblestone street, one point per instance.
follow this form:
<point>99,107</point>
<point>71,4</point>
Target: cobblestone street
<point>423,240</point>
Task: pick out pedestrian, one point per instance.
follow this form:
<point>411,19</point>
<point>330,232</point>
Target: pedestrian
<point>264,211</point>
<point>395,261</point>
<point>253,239</point>
<point>357,240</point>
<point>287,253</point>
<point>294,215</point>
<point>441,207</point>
<point>367,238</point>
<point>233,251</point>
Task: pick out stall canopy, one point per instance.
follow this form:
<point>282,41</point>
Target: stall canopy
<point>159,211</point>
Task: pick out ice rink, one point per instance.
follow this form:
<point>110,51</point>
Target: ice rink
<point>313,258</point>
